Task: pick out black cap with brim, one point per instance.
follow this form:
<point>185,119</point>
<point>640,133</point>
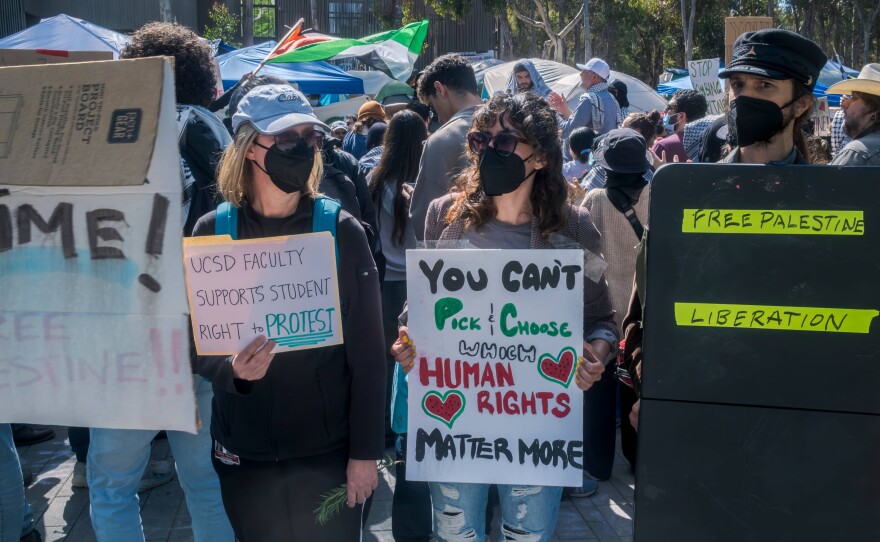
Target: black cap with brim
<point>622,150</point>
<point>777,54</point>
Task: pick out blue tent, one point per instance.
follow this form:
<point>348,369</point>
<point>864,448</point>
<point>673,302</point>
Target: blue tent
<point>830,74</point>
<point>66,33</point>
<point>312,77</point>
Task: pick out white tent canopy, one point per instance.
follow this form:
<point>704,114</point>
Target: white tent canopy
<point>566,81</point>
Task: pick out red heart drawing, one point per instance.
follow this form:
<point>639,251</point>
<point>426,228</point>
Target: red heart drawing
<point>558,369</point>
<point>446,408</point>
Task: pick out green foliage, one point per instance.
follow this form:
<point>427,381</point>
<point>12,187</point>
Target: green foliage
<point>642,37</point>
<point>333,501</point>
<point>264,20</point>
<point>224,25</point>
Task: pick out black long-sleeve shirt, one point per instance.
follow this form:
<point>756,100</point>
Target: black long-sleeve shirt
<point>311,401</point>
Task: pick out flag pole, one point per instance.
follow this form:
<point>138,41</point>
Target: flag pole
<point>281,42</point>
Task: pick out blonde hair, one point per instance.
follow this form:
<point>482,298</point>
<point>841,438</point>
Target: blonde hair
<point>235,177</point>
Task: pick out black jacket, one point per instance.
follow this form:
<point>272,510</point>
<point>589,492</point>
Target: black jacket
<point>311,401</point>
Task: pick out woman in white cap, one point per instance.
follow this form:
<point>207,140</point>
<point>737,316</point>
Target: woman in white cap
<point>290,427</point>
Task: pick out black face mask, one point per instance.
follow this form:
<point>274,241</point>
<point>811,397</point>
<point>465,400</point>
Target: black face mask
<point>752,120</point>
<point>501,174</point>
<point>288,170</point>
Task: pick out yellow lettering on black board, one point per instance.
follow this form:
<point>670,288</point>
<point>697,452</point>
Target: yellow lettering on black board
<point>788,222</point>
<point>774,317</point>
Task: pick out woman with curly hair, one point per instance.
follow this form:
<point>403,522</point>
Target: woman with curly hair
<point>513,196</point>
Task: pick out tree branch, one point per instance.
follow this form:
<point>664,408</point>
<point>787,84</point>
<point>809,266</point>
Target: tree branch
<point>523,18</point>
<point>571,25</point>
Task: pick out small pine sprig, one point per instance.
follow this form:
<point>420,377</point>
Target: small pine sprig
<point>333,501</point>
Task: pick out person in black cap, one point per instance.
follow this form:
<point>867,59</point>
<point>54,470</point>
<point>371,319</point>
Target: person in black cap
<point>771,76</point>
<point>619,210</point>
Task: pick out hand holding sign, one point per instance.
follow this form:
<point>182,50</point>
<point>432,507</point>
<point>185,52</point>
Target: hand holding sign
<point>253,362</point>
<point>403,349</point>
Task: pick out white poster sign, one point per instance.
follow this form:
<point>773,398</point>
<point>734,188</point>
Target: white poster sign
<point>704,78</point>
<point>284,288</point>
<point>93,328</point>
<point>823,118</point>
<point>492,394</point>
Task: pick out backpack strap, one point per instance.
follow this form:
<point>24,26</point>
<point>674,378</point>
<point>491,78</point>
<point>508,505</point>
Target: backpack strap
<point>324,218</point>
<point>623,204</point>
<point>227,220</point>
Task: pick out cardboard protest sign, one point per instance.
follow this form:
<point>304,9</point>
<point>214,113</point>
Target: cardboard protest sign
<point>284,288</point>
<point>57,124</point>
<point>762,326</point>
<point>823,118</point>
<point>735,26</point>
<point>92,310</point>
<point>704,78</point>
<point>26,57</point>
<point>492,395</point>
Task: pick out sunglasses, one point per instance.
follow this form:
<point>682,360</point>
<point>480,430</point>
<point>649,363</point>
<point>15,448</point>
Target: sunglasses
<point>505,142</point>
<point>288,141</point>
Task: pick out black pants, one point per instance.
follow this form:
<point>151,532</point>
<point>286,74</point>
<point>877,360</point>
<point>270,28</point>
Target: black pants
<point>411,512</point>
<point>275,501</point>
<point>600,425</point>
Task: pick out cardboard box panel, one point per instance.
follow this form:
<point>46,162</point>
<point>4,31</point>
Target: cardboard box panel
<point>87,124</point>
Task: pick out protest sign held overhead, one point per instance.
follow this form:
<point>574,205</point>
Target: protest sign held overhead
<point>704,79</point>
<point>284,288</point>
<point>734,27</point>
<point>92,313</point>
<point>492,396</point>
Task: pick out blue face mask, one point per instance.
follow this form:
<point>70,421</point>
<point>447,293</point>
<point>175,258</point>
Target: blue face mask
<point>667,122</point>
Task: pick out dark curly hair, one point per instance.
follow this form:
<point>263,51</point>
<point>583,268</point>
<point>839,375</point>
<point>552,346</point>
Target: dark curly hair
<point>450,69</point>
<point>533,117</point>
<point>691,103</point>
<point>194,78</point>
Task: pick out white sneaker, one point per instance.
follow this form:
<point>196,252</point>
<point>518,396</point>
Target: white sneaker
<point>79,475</point>
<point>158,473</point>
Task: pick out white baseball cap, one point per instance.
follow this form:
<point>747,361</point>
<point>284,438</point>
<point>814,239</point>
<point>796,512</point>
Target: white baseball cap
<point>272,109</point>
<point>597,66</point>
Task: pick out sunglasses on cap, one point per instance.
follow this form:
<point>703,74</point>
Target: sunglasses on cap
<point>505,142</point>
<point>289,140</point>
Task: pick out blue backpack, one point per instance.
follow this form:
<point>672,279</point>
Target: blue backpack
<point>324,218</point>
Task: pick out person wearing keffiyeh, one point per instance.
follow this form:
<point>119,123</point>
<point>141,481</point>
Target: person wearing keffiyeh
<point>525,78</point>
<point>597,110</point>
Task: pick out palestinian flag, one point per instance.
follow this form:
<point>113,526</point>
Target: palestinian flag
<point>393,52</point>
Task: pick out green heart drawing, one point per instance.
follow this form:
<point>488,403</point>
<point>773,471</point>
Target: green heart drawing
<point>559,369</point>
<point>446,408</point>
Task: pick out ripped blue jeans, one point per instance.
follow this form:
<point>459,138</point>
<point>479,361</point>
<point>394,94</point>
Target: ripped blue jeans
<point>528,513</point>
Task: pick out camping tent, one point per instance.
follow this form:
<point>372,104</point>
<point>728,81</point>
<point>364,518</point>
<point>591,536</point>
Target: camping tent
<point>566,81</point>
<point>66,33</point>
<point>641,97</point>
<point>312,77</point>
<point>830,74</point>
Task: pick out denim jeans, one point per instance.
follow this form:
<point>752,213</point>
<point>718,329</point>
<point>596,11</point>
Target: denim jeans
<point>117,459</point>
<point>527,512</point>
<point>16,517</point>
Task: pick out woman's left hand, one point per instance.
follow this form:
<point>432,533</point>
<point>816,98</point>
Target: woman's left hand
<point>362,478</point>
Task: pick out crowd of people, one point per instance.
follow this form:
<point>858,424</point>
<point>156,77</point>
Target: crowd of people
<point>520,171</point>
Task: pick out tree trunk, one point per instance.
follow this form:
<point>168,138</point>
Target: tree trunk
<point>165,11</point>
<point>247,22</point>
<point>687,25</point>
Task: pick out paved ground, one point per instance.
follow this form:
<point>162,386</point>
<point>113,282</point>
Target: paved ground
<point>62,512</point>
